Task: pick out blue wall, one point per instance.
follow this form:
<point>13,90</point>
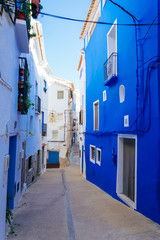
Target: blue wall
<point>111,113</point>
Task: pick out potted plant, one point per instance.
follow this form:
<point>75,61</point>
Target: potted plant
<point>21,71</point>
<point>20,104</point>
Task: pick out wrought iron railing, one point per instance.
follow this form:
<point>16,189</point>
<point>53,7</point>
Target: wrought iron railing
<point>110,67</point>
<point>44,129</point>
<point>10,7</point>
<point>23,86</point>
<point>38,105</point>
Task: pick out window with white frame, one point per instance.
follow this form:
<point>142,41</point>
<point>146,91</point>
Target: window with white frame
<point>112,39</point>
<point>96,115</point>
<point>98,156</point>
<point>60,95</point>
<point>92,154</point>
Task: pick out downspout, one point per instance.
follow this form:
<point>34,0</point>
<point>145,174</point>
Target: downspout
<point>135,20</point>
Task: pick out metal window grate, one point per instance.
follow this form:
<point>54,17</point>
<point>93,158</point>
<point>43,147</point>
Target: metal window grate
<point>110,68</point>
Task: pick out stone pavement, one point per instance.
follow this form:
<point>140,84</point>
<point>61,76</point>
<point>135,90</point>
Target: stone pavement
<point>62,205</point>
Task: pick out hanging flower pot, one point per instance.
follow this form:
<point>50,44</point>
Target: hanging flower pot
<point>21,71</point>
<point>36,2</point>
<point>20,14</point>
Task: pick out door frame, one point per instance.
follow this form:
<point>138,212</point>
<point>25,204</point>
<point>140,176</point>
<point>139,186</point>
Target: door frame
<point>119,184</point>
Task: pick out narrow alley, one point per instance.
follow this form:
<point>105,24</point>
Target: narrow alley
<point>62,205</point>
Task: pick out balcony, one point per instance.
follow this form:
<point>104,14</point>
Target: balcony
<point>110,69</point>
<point>44,129</point>
<point>10,8</point>
<point>23,87</point>
<point>38,105</point>
<point>23,25</point>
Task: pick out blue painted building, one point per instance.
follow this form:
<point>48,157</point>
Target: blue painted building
<point>122,138</point>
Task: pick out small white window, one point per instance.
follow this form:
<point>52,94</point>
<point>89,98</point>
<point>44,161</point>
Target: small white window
<point>55,134</point>
<point>92,154</point>
<point>126,121</point>
<point>60,95</point>
<point>98,156</point>
<point>121,93</point>
<point>104,96</point>
<point>96,115</point>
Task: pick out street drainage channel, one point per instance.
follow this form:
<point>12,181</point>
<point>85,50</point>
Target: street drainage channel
<point>70,224</point>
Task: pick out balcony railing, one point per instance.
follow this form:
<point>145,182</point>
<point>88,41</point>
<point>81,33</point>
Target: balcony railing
<point>44,129</point>
<point>10,7</point>
<point>110,68</point>
<point>38,105</point>
<point>23,86</point>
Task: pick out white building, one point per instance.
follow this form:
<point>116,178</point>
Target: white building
<point>41,79</point>
<point>60,124</point>
<point>82,113</point>
<point>76,109</point>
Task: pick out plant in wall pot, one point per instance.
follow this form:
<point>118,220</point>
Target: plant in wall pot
<point>36,8</point>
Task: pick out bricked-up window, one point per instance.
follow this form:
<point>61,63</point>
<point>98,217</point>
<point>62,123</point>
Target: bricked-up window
<point>92,153</point>
<point>96,115</point>
<point>60,95</point>
<point>55,134</point>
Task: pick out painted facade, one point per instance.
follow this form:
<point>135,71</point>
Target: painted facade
<point>76,108</point>
<point>13,127</point>
<point>122,102</point>
<point>60,122</point>
<point>82,112</point>
<point>21,80</point>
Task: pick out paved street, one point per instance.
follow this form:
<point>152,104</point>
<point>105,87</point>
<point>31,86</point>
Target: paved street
<point>62,205</point>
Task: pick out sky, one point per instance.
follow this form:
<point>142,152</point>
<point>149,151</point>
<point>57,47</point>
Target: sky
<point>61,37</point>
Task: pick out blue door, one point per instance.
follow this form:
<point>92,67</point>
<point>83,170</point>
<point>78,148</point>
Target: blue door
<point>53,159</point>
<point>11,187</point>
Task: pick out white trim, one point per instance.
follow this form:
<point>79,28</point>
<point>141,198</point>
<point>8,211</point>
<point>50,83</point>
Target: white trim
<point>104,96</point>
<point>113,26</point>
<point>94,115</point>
<point>92,160</point>
<point>98,162</point>
<point>119,184</point>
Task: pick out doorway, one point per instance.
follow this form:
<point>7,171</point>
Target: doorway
<point>127,169</point>
<point>11,185</point>
<point>53,159</point>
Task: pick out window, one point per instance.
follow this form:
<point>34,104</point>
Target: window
<point>121,93</point>
<point>92,153</point>
<point>112,39</point>
<point>81,117</point>
<point>55,134</point>
<point>98,156</point>
<point>60,116</point>
<point>45,86</point>
<point>104,96</point>
<point>30,162</point>
<point>96,115</point>
<point>60,95</point>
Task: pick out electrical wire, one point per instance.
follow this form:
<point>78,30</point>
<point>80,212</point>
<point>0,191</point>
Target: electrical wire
<point>151,26</point>
<point>97,22</point>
